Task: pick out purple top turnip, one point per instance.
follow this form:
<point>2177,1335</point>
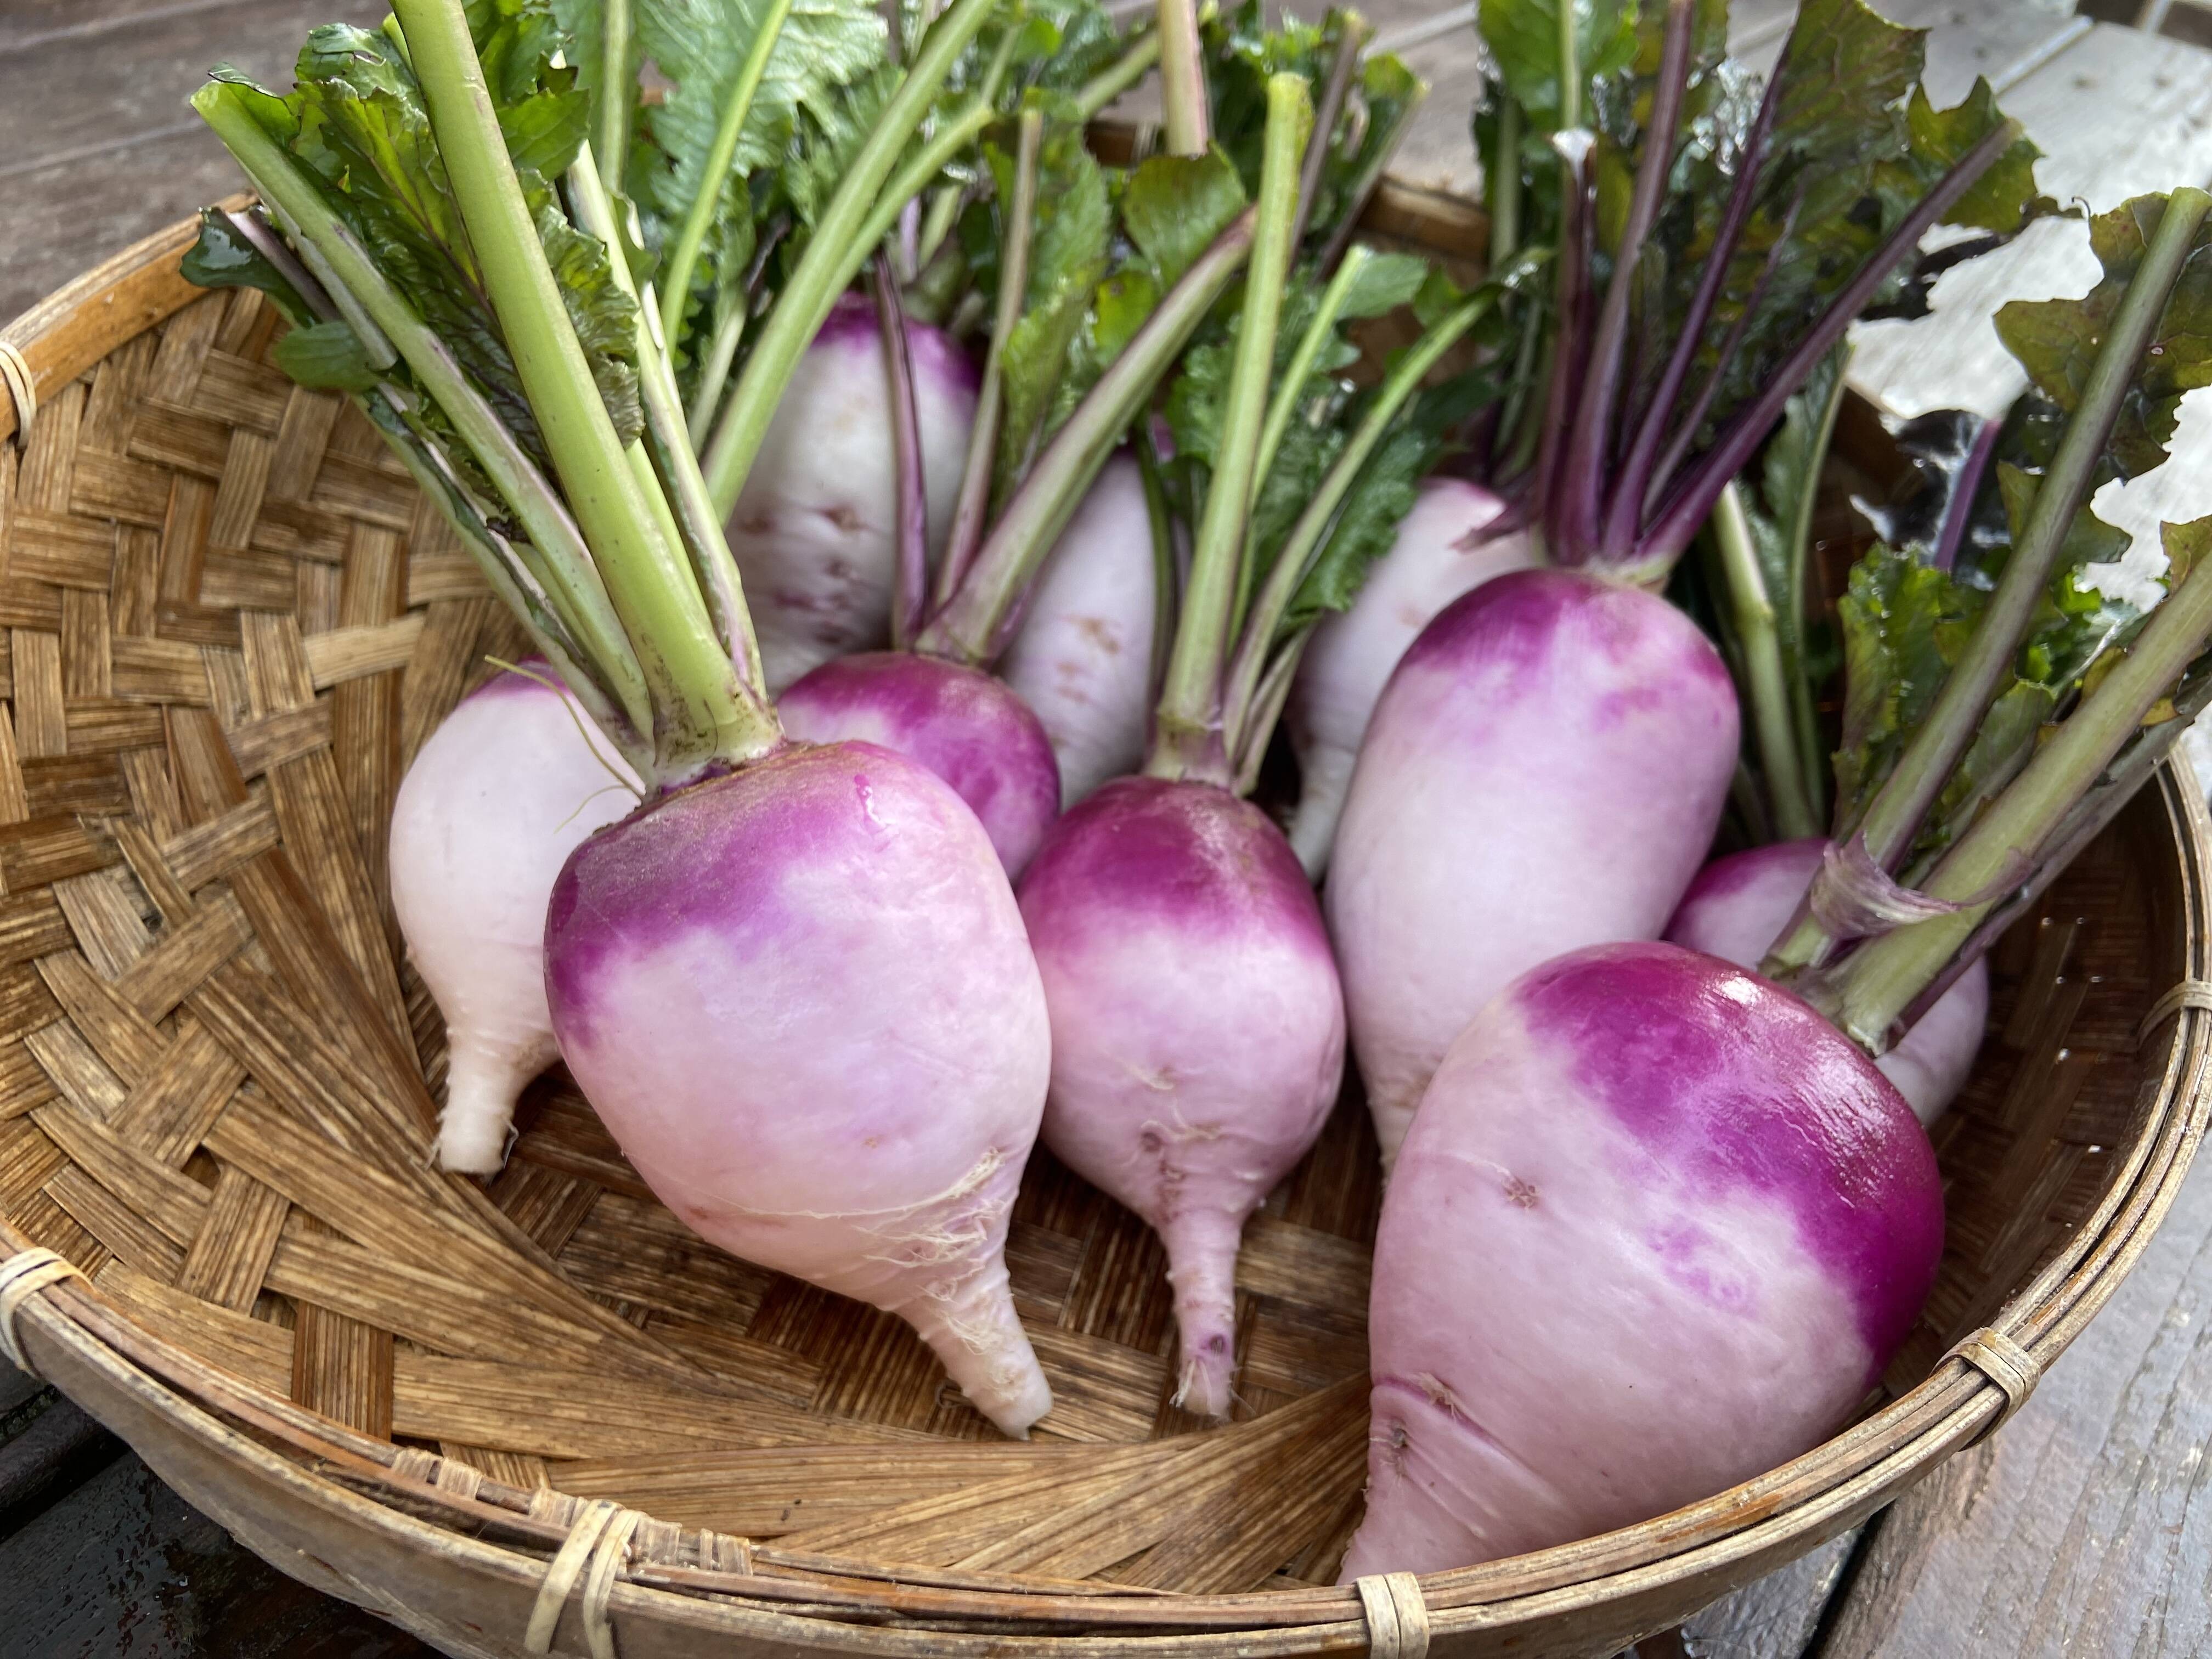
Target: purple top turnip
<point>1739,905</point>
<point>512,782</point>
<point>955,720</point>
<point>1544,771</point>
<point>1197,1028</point>
<point>1679,1224</point>
<point>801,998</point>
<point>1441,551</point>
<point>816,528</point>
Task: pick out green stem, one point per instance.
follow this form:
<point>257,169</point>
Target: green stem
<point>1291,392</point>
<point>1185,123</point>
<point>692,520</point>
<point>973,626</point>
<point>1504,182</point>
<point>1883,976</point>
<point>617,85</point>
<point>1308,536</point>
<point>572,583</point>
<point>1765,683</point>
<point>833,255</point>
<point>1188,738</point>
<point>1804,715</point>
<point>974,501</point>
<point>1933,753</point>
<point>684,258</point>
<point>699,717</point>
<point>1117,78</point>
<point>945,205</point>
<point>1167,582</point>
<point>714,371</point>
<point>1571,70</point>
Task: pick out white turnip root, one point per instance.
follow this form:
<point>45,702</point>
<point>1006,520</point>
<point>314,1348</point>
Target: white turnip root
<point>800,997</point>
<point>965,726</point>
<point>1544,771</point>
<point>815,530</point>
<point>1083,658</point>
<point>1738,905</point>
<point>1197,1028</point>
<point>1441,551</point>
<point>501,794</point>
<point>1679,1224</point>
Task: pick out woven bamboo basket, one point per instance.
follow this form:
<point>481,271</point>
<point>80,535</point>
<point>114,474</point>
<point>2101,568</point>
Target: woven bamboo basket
<point>537,1414</point>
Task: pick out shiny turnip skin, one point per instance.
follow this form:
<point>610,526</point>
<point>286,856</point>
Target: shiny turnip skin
<point>1083,658</point>
<point>800,997</point>
<point>1658,1227</point>
<point>1739,905</point>
<point>494,803</point>
<point>1546,770</point>
<point>1441,552</point>
<point>967,727</point>
<point>1197,1028</point>
<point>815,529</point>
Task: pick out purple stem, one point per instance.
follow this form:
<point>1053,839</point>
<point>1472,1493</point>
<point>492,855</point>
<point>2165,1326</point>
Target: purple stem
<point>1967,486</point>
<point>913,516</point>
<point>1687,429</point>
<point>271,247</point>
<point>1638,475</point>
<point>1575,525</point>
<point>1692,501</point>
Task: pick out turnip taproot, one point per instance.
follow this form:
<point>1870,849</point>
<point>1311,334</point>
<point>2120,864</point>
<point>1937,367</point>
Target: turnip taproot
<point>503,792</point>
<point>816,529</point>
<point>1441,550</point>
<point>795,984</point>
<point>1544,771</point>
<point>1082,658</point>
<point>1739,905</point>
<point>1679,1224</point>
<point>1197,1020</point>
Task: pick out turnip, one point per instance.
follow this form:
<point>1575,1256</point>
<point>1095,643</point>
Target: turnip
<point>1569,800</point>
<point>1656,1229</point>
<point>1544,772</point>
<point>816,530</point>
<point>1082,658</point>
<point>795,984</point>
<point>1198,1028</point>
<point>1442,550</point>
<point>1739,904</point>
<point>503,790</point>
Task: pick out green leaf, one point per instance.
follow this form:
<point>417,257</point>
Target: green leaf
<point>1366,526</point>
<point>2185,545</point>
<point>1174,206</point>
<point>700,45</point>
<point>1386,282</point>
<point>2056,340</point>
<point>1524,37</point>
<point>327,356</point>
<point>221,257</point>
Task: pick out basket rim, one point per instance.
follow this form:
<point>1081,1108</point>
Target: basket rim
<point>70,1327</point>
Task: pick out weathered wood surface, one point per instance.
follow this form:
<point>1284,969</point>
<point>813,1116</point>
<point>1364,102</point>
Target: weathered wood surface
<point>2078,1531</point>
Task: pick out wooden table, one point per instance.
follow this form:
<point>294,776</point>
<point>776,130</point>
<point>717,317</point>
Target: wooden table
<point>2080,1530</point>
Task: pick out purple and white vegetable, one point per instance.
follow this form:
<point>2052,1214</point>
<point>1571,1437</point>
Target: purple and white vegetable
<point>1441,550</point>
<point>1657,1228</point>
<point>1083,657</point>
<point>816,529</point>
<point>1544,771</point>
<point>1738,906</point>
<point>1197,1020</point>
<point>510,784</point>
<point>795,983</point>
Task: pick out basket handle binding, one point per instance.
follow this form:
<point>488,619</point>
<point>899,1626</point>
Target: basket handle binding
<point>593,1552</point>
<point>16,373</point>
<point>21,1277</point>
<point>1397,1616</point>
